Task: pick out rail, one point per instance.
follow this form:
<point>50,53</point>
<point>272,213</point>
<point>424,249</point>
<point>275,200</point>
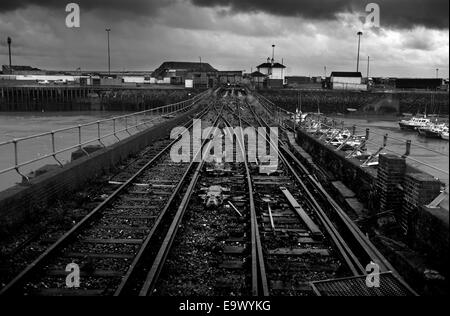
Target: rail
<point>131,122</point>
<point>385,146</point>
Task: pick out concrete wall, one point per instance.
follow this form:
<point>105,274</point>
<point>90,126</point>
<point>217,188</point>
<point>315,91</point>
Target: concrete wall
<point>19,203</point>
<point>336,101</point>
<point>89,98</point>
<point>360,180</point>
<point>396,188</point>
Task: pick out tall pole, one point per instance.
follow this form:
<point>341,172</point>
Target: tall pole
<point>359,48</point>
<point>10,60</point>
<point>273,53</point>
<point>325,69</point>
<point>437,73</point>
<point>368,67</point>
<point>109,53</point>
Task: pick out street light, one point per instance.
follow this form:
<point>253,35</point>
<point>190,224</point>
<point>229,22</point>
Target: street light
<point>359,47</point>
<point>109,54</point>
<point>9,47</point>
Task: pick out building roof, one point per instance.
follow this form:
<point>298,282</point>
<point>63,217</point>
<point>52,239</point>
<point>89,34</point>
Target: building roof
<point>346,74</point>
<point>185,66</point>
<point>269,65</point>
<point>257,74</point>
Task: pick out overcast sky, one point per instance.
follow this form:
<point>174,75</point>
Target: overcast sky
<point>412,41</point>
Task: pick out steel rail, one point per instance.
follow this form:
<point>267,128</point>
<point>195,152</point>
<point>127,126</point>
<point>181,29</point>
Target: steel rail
<point>344,250</point>
<point>349,256</point>
<point>127,281</point>
<point>157,265</point>
<point>76,230</point>
<point>371,252</point>
<point>259,275</point>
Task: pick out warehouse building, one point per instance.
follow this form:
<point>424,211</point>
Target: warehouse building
<point>347,81</point>
<point>203,75</point>
<point>230,77</point>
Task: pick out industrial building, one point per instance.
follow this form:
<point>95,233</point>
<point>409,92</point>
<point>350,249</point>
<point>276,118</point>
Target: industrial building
<point>347,81</point>
<point>230,77</point>
<point>201,74</point>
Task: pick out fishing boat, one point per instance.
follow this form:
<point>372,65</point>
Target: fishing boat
<point>414,124</point>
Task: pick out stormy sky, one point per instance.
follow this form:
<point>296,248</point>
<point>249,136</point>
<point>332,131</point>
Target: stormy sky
<point>412,40</point>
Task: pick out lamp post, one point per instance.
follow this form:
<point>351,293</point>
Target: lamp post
<point>9,47</point>
<point>359,47</point>
<point>109,53</point>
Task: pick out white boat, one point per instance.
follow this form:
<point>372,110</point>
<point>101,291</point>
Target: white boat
<point>415,123</point>
<point>432,131</point>
<point>444,133</point>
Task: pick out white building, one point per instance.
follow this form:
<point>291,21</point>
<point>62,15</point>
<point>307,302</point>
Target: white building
<point>347,81</point>
<point>273,70</point>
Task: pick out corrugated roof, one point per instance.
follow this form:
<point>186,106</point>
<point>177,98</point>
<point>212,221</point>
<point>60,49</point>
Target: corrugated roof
<point>269,65</point>
<point>346,74</point>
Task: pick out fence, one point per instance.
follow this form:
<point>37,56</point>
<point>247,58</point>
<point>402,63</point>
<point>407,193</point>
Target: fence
<point>386,143</point>
<point>131,123</point>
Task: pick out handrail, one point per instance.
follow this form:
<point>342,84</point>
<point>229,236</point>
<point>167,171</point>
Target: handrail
<point>408,145</point>
<point>385,136</point>
<point>164,110</point>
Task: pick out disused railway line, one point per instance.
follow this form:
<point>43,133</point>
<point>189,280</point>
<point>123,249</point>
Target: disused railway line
<point>110,243</point>
<point>213,228</point>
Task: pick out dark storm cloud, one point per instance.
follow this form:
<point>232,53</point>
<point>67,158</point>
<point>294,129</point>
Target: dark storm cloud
<point>394,13</point>
<point>137,6</point>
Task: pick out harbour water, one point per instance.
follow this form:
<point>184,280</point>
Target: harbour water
<point>432,153</point>
<point>19,125</point>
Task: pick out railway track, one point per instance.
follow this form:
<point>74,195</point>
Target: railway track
<point>354,249</point>
<point>109,244</point>
<point>213,228</point>
<point>214,251</point>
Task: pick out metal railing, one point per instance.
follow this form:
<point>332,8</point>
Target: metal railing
<point>270,106</point>
<point>130,121</point>
<point>385,143</point>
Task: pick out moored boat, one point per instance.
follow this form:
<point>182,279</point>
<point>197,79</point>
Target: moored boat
<point>444,133</point>
<point>414,124</point>
<point>432,131</point>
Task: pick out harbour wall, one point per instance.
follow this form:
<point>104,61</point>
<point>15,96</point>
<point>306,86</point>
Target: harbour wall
<point>22,203</point>
<point>88,98</point>
<point>369,102</point>
<point>394,191</point>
